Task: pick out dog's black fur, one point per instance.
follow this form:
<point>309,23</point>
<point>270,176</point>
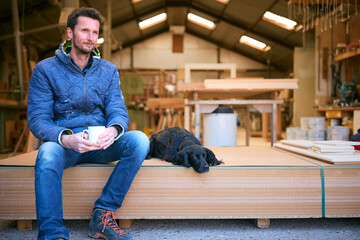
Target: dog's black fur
<point>181,147</point>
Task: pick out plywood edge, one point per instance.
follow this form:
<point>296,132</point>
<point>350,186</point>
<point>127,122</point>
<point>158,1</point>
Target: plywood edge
<point>342,215</point>
<point>181,86</point>
<point>14,218</point>
<point>251,83</point>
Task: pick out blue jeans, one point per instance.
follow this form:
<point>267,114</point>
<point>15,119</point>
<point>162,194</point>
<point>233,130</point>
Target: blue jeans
<point>131,149</point>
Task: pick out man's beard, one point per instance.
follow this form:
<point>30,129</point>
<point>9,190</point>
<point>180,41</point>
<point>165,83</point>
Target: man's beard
<point>79,49</point>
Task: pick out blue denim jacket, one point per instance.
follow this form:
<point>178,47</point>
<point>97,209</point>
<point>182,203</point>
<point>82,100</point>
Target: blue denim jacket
<point>63,99</point>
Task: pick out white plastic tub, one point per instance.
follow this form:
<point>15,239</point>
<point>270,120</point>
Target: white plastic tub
<point>220,130</point>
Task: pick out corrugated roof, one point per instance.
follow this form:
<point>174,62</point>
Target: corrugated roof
<point>232,21</point>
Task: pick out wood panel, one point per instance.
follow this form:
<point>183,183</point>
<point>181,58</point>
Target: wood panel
<point>225,193</point>
<point>342,192</point>
<point>176,193</point>
<point>255,182</point>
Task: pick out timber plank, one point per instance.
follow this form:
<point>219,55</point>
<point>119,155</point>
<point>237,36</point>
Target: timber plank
<point>342,192</point>
<point>251,83</point>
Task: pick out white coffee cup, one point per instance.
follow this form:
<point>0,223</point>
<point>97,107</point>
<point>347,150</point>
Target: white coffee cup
<point>94,133</point>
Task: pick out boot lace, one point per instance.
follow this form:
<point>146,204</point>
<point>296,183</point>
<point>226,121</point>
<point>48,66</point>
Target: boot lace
<point>108,219</point>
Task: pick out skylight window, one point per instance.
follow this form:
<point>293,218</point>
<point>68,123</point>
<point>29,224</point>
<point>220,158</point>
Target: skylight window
<point>279,20</point>
<point>201,21</point>
<point>254,43</point>
<point>152,21</point>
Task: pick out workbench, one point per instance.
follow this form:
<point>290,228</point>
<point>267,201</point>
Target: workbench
<point>264,106</point>
<point>255,182</point>
<point>206,96</point>
<point>330,112</point>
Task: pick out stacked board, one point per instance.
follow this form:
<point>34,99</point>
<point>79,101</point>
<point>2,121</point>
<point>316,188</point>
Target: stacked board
<point>334,152</point>
<point>254,182</point>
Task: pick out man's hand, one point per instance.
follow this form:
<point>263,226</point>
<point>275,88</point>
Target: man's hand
<point>82,145</point>
<point>107,138</point>
<point>79,144</point>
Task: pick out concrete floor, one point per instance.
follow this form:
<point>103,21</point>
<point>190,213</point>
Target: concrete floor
<point>230,229</point>
<point>223,229</point>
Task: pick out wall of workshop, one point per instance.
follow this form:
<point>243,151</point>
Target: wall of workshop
<point>304,71</point>
<point>323,58</point>
<point>157,53</point>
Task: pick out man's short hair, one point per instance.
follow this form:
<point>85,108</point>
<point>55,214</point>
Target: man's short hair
<point>85,12</point>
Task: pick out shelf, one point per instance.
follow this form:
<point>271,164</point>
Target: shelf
<point>347,55</point>
<point>324,109</point>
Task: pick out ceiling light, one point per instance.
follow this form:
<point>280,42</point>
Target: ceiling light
<point>223,1</point>
<point>254,43</point>
<point>152,21</point>
<point>135,1</point>
<point>100,41</point>
<point>201,21</point>
<point>279,20</point>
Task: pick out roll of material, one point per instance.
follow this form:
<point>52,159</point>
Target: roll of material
<point>301,134</point>
<point>338,133</point>
<point>316,135</point>
<point>291,133</point>
<point>335,122</point>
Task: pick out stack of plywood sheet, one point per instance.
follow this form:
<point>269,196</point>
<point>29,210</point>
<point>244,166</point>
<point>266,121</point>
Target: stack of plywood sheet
<point>254,182</point>
<point>335,152</point>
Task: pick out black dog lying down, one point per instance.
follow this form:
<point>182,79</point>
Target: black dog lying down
<point>181,147</point>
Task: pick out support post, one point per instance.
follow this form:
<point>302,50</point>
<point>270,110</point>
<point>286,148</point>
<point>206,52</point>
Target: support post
<point>107,33</point>
<point>262,223</point>
<point>248,126</point>
<point>125,223</point>
<point>24,225</point>
<point>274,124</point>
<point>15,18</point>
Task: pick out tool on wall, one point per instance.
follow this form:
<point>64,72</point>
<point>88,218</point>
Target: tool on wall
<point>336,76</point>
<point>323,12</point>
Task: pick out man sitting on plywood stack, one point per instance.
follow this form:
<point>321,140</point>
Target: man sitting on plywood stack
<point>68,93</point>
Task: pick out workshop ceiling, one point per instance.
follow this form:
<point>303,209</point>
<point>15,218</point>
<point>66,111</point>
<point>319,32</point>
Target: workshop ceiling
<point>38,20</point>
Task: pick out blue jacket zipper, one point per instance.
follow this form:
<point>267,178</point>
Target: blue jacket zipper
<point>84,84</point>
<point>87,118</point>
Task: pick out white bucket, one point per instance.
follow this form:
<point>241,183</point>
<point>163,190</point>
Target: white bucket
<point>220,130</point>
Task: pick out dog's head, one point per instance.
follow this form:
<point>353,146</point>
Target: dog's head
<point>196,156</point>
